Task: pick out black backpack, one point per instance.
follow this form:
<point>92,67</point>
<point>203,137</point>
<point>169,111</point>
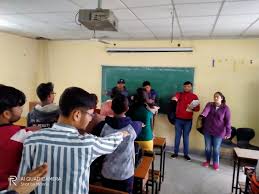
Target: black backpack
<point>171,111</point>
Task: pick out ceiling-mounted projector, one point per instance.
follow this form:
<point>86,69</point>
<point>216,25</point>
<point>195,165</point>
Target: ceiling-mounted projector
<point>98,19</point>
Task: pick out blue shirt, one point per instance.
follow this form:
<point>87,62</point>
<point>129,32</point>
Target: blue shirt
<point>68,155</point>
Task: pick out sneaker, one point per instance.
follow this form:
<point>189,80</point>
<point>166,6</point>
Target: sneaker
<point>187,158</point>
<point>174,156</point>
<point>206,164</point>
<point>216,166</point>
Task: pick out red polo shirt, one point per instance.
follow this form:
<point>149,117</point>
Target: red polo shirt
<point>184,99</point>
<point>11,146</point>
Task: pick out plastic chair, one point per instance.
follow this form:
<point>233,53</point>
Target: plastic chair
<point>244,136</point>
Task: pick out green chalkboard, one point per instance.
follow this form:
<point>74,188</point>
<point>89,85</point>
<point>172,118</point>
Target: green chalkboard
<point>165,80</point>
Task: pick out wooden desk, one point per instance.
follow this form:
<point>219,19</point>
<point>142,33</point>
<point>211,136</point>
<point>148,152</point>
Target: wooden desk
<point>32,104</point>
<point>160,143</point>
<point>141,174</point>
<point>242,157</point>
<point>100,189</point>
<point>22,121</point>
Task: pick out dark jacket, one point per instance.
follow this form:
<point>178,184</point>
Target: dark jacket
<point>43,117</point>
<point>118,123</point>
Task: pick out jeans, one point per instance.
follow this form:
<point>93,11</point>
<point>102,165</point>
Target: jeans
<point>121,185</point>
<point>182,126</point>
<point>212,142</point>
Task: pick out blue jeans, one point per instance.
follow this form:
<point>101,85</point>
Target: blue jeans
<point>182,126</point>
<point>121,185</point>
<point>212,142</point>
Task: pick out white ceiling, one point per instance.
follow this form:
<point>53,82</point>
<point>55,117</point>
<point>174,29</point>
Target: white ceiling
<point>138,19</point>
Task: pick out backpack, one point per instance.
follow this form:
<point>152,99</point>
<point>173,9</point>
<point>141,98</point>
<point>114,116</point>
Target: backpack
<point>171,113</point>
<point>200,124</point>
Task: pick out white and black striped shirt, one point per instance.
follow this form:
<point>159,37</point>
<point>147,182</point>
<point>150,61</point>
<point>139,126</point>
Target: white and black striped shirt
<point>68,155</point>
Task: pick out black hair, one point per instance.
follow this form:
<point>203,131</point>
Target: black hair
<point>223,101</point>
<point>139,100</point>
<point>146,83</point>
<point>140,96</point>
<point>73,98</point>
<point>10,97</point>
<point>120,104</point>
<point>187,83</point>
<point>94,98</point>
<point>44,90</point>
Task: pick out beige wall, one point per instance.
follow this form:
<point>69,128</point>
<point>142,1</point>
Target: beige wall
<point>26,62</point>
<point>19,59</point>
<point>79,63</point>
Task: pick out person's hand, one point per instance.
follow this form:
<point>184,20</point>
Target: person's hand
<point>30,181</point>
<point>227,137</point>
<point>174,98</point>
<point>143,125</point>
<point>189,108</point>
<point>125,133</point>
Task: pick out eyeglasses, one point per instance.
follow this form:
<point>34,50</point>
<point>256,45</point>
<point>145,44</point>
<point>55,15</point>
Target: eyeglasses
<point>54,93</point>
<point>90,114</point>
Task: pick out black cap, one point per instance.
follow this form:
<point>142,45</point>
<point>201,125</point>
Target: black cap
<point>121,81</point>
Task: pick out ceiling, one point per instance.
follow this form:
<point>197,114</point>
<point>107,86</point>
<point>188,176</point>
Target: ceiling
<point>138,19</point>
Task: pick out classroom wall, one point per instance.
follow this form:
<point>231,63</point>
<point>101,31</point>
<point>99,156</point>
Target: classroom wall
<point>27,62</point>
<point>19,59</point>
<point>78,63</point>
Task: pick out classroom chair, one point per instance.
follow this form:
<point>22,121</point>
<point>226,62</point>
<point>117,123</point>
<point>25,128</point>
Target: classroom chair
<point>251,185</point>
<point>244,136</point>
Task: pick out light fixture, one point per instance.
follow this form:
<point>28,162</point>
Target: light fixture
<point>143,50</point>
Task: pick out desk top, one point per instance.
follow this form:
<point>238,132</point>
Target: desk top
<point>247,153</point>
<point>159,141</point>
<point>143,168</point>
<point>101,189</point>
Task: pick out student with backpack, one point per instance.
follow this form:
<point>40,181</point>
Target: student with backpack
<point>118,167</point>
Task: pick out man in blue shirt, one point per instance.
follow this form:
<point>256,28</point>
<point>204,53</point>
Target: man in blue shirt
<point>67,153</point>
<point>151,94</point>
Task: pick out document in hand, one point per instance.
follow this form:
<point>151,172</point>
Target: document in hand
<point>193,104</point>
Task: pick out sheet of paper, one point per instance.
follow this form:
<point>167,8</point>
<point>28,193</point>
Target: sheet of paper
<point>193,104</point>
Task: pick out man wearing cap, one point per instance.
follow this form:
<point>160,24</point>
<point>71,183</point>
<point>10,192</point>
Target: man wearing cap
<point>119,89</point>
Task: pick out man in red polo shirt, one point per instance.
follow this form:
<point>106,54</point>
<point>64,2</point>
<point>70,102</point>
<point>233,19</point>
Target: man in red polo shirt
<point>187,102</point>
<point>11,136</point>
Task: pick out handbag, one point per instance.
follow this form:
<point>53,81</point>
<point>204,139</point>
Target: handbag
<point>171,111</point>
<point>171,115</point>
<point>200,124</point>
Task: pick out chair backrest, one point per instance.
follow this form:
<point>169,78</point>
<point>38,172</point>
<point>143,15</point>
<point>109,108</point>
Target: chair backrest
<point>233,132</point>
<point>245,134</point>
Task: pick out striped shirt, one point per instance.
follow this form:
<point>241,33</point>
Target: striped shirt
<point>68,155</point>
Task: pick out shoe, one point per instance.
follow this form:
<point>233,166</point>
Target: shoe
<point>187,158</point>
<point>216,166</point>
<point>206,164</point>
<point>174,156</point>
